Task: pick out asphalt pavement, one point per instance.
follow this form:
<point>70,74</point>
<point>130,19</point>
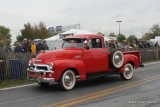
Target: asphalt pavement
<point>143,90</point>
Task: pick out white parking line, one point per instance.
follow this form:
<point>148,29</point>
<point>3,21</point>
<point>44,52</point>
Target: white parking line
<point>17,87</point>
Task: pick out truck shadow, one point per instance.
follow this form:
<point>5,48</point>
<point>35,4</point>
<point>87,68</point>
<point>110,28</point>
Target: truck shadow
<point>83,85</point>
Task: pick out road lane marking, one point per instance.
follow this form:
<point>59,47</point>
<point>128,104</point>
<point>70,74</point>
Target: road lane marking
<point>2,89</point>
<point>99,92</point>
<point>103,94</point>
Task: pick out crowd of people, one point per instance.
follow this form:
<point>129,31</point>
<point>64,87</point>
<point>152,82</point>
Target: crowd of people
<point>30,46</point>
<point>135,44</point>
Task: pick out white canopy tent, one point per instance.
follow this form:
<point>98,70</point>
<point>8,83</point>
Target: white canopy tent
<point>106,38</point>
<point>53,38</point>
<point>157,39</point>
<point>56,41</point>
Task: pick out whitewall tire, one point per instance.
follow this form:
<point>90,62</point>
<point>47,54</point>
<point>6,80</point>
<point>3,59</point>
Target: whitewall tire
<point>128,72</point>
<point>67,80</point>
<point>116,59</point>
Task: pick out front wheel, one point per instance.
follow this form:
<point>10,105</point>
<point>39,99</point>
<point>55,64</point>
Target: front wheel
<point>128,72</point>
<point>67,80</point>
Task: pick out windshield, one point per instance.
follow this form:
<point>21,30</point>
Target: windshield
<point>73,42</point>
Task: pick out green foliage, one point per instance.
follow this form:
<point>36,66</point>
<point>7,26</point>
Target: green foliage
<point>112,35</point>
<point>154,31</point>
<point>5,35</point>
<point>121,37</point>
<point>131,38</point>
<point>33,32</point>
<point>100,33</point>
<point>148,36</point>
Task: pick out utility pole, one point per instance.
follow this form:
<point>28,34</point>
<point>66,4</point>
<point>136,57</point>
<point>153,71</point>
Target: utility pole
<point>119,25</point>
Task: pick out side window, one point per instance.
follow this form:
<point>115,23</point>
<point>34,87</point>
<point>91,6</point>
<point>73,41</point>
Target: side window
<point>95,43</point>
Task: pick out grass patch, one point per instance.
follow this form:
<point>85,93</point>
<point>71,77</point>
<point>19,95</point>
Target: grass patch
<point>15,82</point>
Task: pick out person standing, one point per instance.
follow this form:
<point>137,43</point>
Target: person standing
<point>39,46</point>
<point>18,48</point>
<point>106,44</point>
<point>156,46</point>
<point>45,46</point>
<point>3,55</point>
<point>33,48</point>
<point>25,45</point>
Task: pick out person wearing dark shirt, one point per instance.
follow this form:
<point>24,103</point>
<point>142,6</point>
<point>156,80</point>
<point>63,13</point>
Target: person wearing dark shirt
<point>95,44</point>
<point>3,56</point>
<point>156,45</point>
<point>18,48</point>
<point>25,45</point>
<point>39,46</point>
<point>45,46</point>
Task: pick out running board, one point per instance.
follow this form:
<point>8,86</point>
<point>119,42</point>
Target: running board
<point>100,74</point>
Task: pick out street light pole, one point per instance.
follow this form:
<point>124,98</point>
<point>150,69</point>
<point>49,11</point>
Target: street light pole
<point>119,25</point>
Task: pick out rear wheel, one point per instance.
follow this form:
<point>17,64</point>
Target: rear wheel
<point>128,72</point>
<point>67,80</point>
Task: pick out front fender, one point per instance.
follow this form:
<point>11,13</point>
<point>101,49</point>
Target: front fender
<point>61,65</point>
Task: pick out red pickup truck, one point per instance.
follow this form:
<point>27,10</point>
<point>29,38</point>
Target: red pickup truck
<point>81,57</point>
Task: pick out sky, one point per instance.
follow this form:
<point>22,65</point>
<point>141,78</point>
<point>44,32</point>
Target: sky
<point>137,16</point>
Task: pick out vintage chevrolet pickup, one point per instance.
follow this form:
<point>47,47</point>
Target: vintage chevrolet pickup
<point>81,57</point>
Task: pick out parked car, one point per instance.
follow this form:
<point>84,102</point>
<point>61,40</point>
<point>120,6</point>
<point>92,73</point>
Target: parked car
<point>82,57</point>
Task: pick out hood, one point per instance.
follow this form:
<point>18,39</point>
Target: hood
<point>62,54</point>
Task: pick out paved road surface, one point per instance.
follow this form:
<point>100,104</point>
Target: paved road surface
<point>142,91</point>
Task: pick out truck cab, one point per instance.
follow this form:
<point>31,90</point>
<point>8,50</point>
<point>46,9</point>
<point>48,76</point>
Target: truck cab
<point>81,57</point>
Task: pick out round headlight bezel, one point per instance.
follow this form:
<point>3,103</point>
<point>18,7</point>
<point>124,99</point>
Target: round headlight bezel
<point>29,63</point>
<point>51,65</point>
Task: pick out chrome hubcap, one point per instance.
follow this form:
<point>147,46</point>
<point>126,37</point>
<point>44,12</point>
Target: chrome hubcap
<point>118,59</point>
<point>68,79</point>
<point>128,71</point>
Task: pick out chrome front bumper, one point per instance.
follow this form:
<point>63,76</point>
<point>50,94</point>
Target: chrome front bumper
<point>40,80</point>
<point>38,71</point>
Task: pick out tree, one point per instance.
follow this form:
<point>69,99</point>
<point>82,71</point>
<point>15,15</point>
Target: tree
<point>34,32</point>
<point>100,33</point>
<point>121,37</point>
<point>5,35</point>
<point>155,30</point>
<point>148,36</point>
<point>112,35</point>
<point>131,38</point>
<point>41,31</point>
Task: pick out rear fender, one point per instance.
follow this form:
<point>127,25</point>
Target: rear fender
<point>128,58</point>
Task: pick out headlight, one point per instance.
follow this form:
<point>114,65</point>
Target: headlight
<point>29,63</point>
<point>51,65</point>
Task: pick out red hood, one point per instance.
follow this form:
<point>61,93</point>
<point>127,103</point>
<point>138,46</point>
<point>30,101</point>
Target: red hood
<point>59,55</point>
